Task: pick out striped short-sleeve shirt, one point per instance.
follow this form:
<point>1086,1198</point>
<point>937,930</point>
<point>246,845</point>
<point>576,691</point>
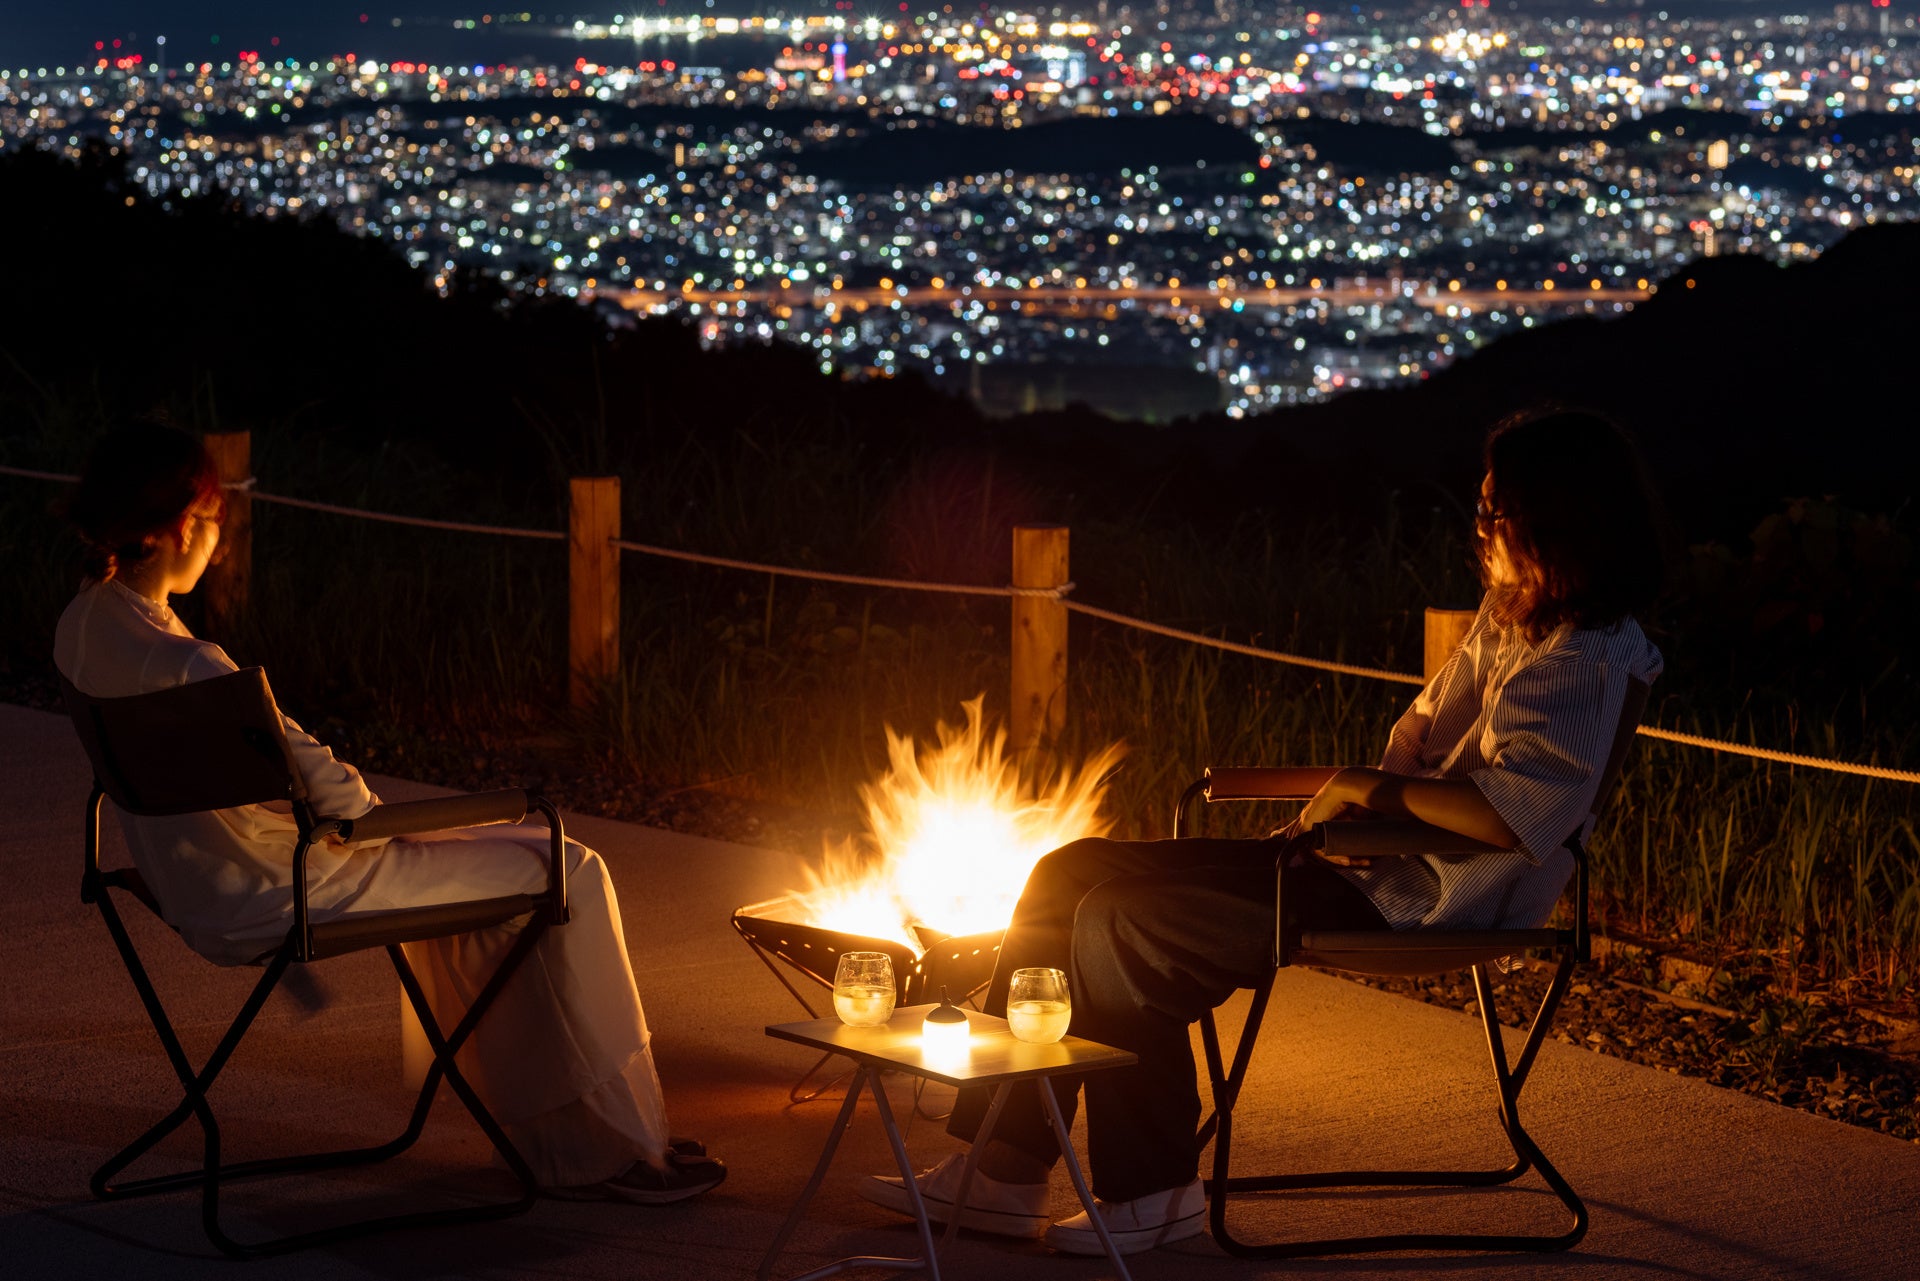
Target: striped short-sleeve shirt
<point>1531,724</point>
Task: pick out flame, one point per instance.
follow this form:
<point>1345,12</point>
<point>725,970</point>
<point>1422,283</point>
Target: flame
<point>952,832</point>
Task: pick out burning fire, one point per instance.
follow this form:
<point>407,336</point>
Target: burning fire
<point>952,833</point>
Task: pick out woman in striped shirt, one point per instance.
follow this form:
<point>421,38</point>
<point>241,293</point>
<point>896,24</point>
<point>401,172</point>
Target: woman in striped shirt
<point>1506,745</point>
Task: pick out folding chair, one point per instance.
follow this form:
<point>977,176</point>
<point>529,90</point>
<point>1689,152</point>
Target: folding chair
<point>220,743</point>
<point>1402,952</point>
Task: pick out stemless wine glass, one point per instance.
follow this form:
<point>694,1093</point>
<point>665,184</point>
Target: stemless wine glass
<point>1037,1005</point>
<point>863,990</point>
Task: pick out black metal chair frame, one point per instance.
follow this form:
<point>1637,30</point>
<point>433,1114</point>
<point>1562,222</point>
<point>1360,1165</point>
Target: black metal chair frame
<point>226,746</point>
<point>1399,953</point>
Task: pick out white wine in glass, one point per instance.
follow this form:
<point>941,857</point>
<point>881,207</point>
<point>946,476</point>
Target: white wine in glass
<point>1038,1008</point>
<point>863,991</point>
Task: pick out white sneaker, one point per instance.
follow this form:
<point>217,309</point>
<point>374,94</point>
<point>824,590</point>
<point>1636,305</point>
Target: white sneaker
<point>1140,1224</point>
<point>1006,1209</point>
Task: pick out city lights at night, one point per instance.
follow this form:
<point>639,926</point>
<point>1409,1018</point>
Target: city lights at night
<point>1265,204</point>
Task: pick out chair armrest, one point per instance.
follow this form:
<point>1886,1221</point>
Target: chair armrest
<point>477,809</point>
<point>407,817</point>
<point>1267,783</point>
<point>1394,838</point>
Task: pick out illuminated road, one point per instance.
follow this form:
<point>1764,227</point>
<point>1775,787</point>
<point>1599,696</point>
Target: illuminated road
<point>1086,301</point>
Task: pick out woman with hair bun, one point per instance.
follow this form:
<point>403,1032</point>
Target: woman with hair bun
<point>562,1058</point>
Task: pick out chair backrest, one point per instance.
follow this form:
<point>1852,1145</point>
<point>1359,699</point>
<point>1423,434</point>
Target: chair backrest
<point>1630,713</point>
<point>206,745</point>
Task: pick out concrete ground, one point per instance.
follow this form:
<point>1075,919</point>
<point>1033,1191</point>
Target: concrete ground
<point>1683,1180</point>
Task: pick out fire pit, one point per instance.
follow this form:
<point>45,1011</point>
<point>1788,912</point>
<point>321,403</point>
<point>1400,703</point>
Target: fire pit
<point>958,963</point>
<point>952,833</point>
<point>962,963</point>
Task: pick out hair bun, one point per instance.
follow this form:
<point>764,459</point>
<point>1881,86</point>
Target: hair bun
<point>98,563</point>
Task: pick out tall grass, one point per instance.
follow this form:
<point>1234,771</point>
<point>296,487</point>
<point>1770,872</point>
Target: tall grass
<point>410,647</point>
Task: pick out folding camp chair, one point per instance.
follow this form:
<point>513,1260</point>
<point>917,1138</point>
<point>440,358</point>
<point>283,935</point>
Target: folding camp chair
<point>1403,952</point>
<point>220,743</point>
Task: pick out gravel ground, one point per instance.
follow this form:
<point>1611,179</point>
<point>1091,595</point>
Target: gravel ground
<point>1846,1059</point>
<point>1809,1052</point>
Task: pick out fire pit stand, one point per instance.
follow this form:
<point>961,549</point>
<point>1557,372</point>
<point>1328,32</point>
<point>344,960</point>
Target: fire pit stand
<point>963,964</point>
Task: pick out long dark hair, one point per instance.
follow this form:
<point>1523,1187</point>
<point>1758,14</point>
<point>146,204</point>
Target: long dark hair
<point>1570,498</point>
<point>139,483</point>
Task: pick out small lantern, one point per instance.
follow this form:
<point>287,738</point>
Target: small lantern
<point>945,1032</point>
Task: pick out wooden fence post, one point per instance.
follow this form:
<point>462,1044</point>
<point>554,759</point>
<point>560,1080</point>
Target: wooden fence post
<point>593,583</point>
<point>1039,710</point>
<point>1446,628</point>
<point>225,586</point>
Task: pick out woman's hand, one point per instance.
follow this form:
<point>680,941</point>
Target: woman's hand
<point>1325,809</point>
<point>1334,800</point>
<point>1456,804</point>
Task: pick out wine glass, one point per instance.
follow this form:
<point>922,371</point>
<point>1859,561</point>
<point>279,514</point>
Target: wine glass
<point>1038,1007</point>
<point>863,991</point>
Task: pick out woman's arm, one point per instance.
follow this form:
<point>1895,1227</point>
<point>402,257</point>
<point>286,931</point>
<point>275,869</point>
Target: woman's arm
<point>1456,804</point>
<point>334,788</point>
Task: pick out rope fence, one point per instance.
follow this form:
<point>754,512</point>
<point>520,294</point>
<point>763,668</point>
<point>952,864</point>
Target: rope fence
<point>1057,594</point>
<point>1784,758</point>
<point>391,518</point>
<point>1251,651</point>
<point>857,580</point>
<point>31,474</point>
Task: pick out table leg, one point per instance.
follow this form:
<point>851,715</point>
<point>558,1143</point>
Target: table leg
<point>980,1137</point>
<point>840,1124</point>
<point>929,1261</point>
<point>1079,1179</point>
<point>901,1159</point>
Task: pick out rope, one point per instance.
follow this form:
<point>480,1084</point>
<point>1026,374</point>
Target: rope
<point>64,478</point>
<point>1785,758</point>
<point>421,522</point>
<point>1251,651</point>
<point>31,474</point>
<point>1046,593</point>
<point>858,580</point>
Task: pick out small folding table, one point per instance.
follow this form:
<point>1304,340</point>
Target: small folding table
<point>993,1057</point>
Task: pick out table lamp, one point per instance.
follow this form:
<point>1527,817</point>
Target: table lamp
<point>945,1031</point>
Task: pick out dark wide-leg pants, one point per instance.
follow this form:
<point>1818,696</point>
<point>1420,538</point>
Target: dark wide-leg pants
<point>1152,934</point>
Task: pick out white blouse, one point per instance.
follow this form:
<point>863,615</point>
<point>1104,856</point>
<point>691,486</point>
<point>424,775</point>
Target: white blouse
<point>223,878</point>
<point>1532,724</point>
